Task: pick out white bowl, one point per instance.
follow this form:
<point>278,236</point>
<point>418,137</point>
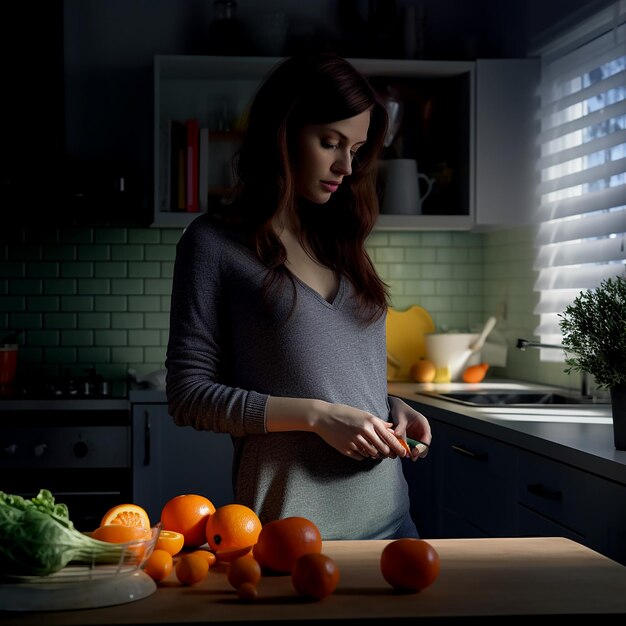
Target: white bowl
<point>452,350</point>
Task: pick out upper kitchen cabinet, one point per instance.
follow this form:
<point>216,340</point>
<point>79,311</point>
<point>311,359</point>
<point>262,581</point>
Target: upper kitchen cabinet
<point>466,158</point>
<point>506,141</point>
<point>434,120</point>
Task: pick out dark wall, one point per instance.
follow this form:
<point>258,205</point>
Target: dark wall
<point>32,127</point>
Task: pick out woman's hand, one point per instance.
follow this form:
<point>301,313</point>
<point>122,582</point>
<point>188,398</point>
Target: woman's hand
<point>358,434</point>
<point>353,432</point>
<point>411,423</point>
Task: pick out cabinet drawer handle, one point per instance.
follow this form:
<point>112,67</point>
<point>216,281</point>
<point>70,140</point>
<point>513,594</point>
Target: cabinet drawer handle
<point>146,438</point>
<point>537,489</point>
<point>477,456</point>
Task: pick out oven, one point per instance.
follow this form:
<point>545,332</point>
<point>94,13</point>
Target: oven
<point>79,448</point>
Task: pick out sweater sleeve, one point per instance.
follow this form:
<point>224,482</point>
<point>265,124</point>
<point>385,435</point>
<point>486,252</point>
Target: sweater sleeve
<point>195,395</point>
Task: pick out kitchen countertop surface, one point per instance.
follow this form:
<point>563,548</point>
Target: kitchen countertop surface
<point>147,396</point>
<point>582,437</point>
<point>486,578</point>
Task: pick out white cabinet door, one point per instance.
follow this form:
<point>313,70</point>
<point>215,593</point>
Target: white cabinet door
<point>506,141</point>
<point>169,460</point>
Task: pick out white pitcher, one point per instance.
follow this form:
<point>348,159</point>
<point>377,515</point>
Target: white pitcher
<point>401,180</point>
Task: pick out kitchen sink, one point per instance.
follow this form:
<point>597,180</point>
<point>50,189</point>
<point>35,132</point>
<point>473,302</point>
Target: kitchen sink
<point>509,401</point>
<point>511,398</point>
<point>514,398</point>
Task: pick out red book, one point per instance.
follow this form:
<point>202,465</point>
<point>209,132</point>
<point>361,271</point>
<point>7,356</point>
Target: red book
<point>193,128</point>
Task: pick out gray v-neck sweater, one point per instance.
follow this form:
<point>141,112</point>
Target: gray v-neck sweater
<point>228,352</point>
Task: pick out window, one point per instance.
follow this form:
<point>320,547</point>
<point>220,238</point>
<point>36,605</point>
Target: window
<point>581,234</point>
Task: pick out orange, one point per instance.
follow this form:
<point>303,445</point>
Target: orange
<point>159,565</point>
<point>209,557</point>
<point>126,515</point>
<point>244,569</point>
<point>247,592</point>
<point>170,541</point>
<point>315,575</point>
<point>116,533</point>
<point>409,564</point>
<point>188,514</point>
<point>475,373</point>
<point>282,541</point>
<point>423,371</point>
<point>191,569</point>
<point>232,528</point>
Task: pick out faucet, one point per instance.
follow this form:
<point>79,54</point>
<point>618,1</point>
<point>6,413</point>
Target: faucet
<point>522,344</point>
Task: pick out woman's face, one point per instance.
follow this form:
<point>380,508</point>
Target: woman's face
<point>325,154</point>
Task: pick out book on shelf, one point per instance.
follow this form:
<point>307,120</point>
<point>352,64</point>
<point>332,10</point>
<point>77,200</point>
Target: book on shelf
<point>193,130</point>
<point>203,170</point>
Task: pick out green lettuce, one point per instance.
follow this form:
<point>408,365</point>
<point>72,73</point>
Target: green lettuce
<point>38,538</point>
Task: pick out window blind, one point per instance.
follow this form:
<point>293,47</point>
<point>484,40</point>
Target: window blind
<point>581,234</point>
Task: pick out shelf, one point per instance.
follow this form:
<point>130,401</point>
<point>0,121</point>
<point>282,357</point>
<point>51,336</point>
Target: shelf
<point>213,88</point>
<point>385,222</point>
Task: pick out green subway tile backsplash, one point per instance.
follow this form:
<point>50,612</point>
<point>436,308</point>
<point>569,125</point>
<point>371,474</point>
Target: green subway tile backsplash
<point>77,338</point>
<point>94,320</point>
<point>77,303</point>
<point>144,338</point>
<point>94,252</point>
<point>110,235</point>
<point>111,303</point>
<point>99,297</point>
<point>127,320</point>
<point>110,269</point>
<point>60,286</point>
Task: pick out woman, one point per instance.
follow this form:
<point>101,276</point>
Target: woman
<point>277,331</point>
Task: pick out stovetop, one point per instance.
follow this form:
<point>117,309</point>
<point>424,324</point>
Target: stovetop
<point>93,386</point>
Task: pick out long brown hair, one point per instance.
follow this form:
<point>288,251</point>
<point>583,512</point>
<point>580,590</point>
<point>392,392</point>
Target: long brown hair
<point>312,89</point>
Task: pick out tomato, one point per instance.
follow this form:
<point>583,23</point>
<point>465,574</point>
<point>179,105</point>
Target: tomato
<point>315,575</point>
<point>409,564</point>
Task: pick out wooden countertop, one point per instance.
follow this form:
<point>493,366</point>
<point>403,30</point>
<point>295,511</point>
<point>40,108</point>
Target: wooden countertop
<point>486,578</point>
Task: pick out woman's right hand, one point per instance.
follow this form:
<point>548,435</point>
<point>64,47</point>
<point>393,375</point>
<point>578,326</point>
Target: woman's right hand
<point>353,432</point>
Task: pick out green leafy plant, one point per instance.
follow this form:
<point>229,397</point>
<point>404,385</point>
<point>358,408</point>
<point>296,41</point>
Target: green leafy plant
<point>37,537</point>
<point>594,333</point>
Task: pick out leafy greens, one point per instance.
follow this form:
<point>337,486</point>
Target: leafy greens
<point>38,538</point>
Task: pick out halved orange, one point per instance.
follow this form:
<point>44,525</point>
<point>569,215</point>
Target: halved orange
<point>118,533</point>
<point>170,541</point>
<point>136,536</point>
<point>126,515</point>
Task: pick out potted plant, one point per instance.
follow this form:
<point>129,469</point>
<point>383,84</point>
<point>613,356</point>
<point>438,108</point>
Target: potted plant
<point>594,336</point>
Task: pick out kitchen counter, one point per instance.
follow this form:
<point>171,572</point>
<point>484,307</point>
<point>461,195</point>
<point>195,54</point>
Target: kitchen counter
<point>574,438</point>
<point>147,396</point>
<point>486,578</point>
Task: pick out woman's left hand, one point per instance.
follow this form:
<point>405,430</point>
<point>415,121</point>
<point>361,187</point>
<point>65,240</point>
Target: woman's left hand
<point>411,423</point>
